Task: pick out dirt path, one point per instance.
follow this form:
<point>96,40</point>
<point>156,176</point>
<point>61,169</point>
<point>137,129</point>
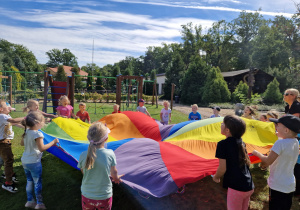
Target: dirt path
<point>204,111</point>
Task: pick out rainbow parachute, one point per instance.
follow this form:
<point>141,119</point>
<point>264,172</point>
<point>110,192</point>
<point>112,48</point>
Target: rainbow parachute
<point>157,159</point>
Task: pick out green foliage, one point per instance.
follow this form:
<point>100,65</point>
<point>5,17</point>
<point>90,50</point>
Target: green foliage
<point>254,100</point>
<point>240,91</point>
<point>272,95</point>
<point>17,78</point>
<point>58,57</point>
<point>215,88</point>
<point>193,81</point>
<point>99,83</point>
<point>78,83</point>
<point>60,74</point>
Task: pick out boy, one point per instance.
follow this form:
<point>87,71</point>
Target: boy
<point>216,111</point>
<point>142,108</point>
<point>194,115</point>
<point>6,135</point>
<point>116,109</point>
<point>282,159</point>
<point>82,114</point>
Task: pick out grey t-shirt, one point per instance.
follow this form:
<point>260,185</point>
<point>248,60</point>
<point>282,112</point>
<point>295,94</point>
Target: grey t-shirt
<point>141,109</point>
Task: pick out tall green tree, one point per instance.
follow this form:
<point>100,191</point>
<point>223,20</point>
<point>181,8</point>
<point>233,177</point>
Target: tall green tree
<point>60,74</point>
<point>215,88</point>
<point>241,90</point>
<point>174,74</point>
<point>272,95</point>
<point>193,81</point>
<point>58,57</point>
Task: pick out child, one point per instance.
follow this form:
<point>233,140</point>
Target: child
<point>31,158</point>
<point>249,113</point>
<point>194,115</point>
<point>234,164</point>
<point>64,109</point>
<point>272,114</point>
<point>33,106</point>
<point>216,111</point>
<point>116,109</point>
<point>142,108</point>
<point>82,114</point>
<point>97,164</point>
<point>165,114</point>
<point>263,118</point>
<point>282,159</point>
<point>6,135</point>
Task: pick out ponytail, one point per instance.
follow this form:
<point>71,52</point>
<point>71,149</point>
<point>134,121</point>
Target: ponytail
<point>91,156</point>
<point>243,155</point>
<point>26,109</point>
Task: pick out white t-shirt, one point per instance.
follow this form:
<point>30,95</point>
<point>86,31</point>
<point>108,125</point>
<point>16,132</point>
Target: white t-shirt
<point>31,153</point>
<point>282,177</point>
<point>165,114</point>
<point>3,124</point>
<point>141,109</point>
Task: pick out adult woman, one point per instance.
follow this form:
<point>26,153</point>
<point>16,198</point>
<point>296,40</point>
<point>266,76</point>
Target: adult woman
<point>290,97</point>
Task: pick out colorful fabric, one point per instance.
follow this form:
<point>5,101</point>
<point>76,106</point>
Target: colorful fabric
<point>83,116</point>
<point>157,159</point>
<point>90,204</point>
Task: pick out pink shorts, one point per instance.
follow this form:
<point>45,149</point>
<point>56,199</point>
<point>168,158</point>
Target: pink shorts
<point>90,204</point>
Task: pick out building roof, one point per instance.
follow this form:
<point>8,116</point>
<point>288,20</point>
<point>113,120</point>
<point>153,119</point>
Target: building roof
<point>234,73</point>
<point>160,75</point>
<point>68,71</point>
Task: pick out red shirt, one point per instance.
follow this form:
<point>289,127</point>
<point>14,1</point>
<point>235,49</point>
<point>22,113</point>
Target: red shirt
<point>83,116</point>
<point>116,112</point>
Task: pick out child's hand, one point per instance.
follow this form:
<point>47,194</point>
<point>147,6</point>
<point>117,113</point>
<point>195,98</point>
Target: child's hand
<point>56,141</point>
<point>215,179</point>
<point>255,153</point>
<point>118,181</point>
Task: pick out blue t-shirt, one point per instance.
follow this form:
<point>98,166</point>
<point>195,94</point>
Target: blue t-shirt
<point>96,183</point>
<point>193,116</point>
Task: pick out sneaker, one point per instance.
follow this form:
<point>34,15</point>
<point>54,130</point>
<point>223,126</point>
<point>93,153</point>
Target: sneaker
<point>30,204</point>
<point>14,178</point>
<point>11,188</point>
<point>40,206</point>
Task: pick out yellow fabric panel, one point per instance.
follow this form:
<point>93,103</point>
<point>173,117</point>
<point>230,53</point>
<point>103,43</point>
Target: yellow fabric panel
<point>207,149</point>
<point>121,127</point>
<point>257,133</point>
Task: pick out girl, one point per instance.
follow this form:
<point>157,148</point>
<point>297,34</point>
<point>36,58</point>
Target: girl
<point>263,118</point>
<point>97,164</point>
<point>249,113</point>
<point>33,106</point>
<point>272,114</point>
<point>64,109</point>
<point>165,114</point>
<point>31,159</point>
<point>234,164</point>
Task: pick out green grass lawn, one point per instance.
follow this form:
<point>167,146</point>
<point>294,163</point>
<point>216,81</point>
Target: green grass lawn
<point>61,182</point>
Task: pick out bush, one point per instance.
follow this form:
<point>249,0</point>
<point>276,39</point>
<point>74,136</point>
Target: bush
<point>272,95</point>
<point>240,91</point>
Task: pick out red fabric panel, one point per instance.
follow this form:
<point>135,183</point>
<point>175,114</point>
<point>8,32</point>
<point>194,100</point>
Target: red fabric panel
<point>149,128</point>
<point>184,166</point>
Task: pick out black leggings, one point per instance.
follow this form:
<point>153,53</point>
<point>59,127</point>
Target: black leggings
<point>279,200</point>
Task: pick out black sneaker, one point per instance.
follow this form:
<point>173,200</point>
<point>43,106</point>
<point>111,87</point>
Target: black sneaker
<point>11,188</point>
<point>14,178</point>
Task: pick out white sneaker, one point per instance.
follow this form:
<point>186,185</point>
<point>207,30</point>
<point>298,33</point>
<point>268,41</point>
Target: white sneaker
<point>40,206</point>
<point>30,204</point>
<point>10,188</point>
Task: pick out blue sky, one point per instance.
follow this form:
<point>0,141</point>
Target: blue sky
<point>119,28</point>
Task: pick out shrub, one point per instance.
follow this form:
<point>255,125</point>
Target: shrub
<point>272,94</point>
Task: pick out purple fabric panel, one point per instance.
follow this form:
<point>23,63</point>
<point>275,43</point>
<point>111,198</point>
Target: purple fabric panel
<point>164,129</point>
<point>140,160</point>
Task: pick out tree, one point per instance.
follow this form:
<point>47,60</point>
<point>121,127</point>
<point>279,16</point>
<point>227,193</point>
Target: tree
<point>78,83</point>
<point>241,90</point>
<point>60,74</point>
<point>215,88</point>
<point>272,95</point>
<point>64,57</point>
<point>193,81</point>
<point>114,73</point>
<point>174,75</point>
<point>99,83</point>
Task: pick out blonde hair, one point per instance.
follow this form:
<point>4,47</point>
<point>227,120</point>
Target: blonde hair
<point>165,101</point>
<point>62,98</point>
<point>31,120</point>
<point>81,104</point>
<point>295,92</point>
<point>194,105</point>
<point>95,133</point>
<point>117,105</point>
<point>273,113</point>
<point>30,103</point>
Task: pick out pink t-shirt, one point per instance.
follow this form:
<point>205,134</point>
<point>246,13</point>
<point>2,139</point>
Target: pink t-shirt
<point>65,110</point>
